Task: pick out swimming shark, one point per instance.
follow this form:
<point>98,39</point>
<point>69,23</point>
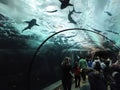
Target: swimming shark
<point>70,16</point>
<point>31,23</point>
<point>65,3</point>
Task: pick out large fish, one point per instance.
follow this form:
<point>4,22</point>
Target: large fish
<point>30,24</point>
<point>70,16</point>
<point>65,3</point>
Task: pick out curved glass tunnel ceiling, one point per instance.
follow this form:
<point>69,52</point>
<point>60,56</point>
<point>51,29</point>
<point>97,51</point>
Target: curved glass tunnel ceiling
<point>100,16</point>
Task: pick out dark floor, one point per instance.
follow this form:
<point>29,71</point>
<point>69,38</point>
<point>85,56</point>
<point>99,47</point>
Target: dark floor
<point>83,86</point>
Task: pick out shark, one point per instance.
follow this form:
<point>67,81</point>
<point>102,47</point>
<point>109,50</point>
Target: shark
<point>31,23</point>
<point>65,3</point>
<point>70,16</point>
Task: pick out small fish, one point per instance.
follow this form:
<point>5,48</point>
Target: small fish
<point>30,24</point>
<point>52,11</point>
<point>108,13</point>
<point>95,29</point>
<point>113,32</point>
<point>65,3</point>
<point>71,36</point>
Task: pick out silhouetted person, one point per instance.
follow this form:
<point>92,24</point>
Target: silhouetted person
<point>89,62</point>
<point>76,70</point>
<point>65,3</point>
<point>96,78</point>
<point>66,73</point>
<point>108,73</point>
<point>30,24</point>
<point>83,66</point>
<point>116,75</point>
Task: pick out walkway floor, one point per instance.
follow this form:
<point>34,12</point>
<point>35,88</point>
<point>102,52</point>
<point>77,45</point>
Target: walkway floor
<point>83,86</point>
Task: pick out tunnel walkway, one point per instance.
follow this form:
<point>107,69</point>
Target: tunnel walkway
<point>58,86</point>
<point>83,86</point>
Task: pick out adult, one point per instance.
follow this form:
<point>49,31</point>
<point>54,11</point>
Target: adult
<point>76,70</point>
<point>83,66</point>
<point>96,78</point>
<point>66,73</point>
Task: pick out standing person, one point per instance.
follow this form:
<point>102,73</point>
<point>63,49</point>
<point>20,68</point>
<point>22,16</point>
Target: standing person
<point>116,74</point>
<point>66,73</point>
<point>107,71</point>
<point>96,78</point>
<point>83,66</point>
<point>76,70</point>
<point>90,62</point>
<point>97,59</point>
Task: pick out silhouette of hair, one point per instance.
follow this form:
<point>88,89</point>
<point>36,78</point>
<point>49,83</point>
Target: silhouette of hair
<point>97,66</point>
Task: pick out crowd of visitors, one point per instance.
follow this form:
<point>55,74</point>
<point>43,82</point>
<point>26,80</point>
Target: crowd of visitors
<point>100,73</point>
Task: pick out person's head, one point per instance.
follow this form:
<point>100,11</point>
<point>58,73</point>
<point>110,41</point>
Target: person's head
<point>107,62</point>
<point>96,58</point>
<point>97,66</point>
<point>66,61</point>
<point>76,63</point>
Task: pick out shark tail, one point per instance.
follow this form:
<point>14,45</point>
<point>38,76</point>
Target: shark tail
<point>24,29</point>
<point>36,24</point>
<point>70,4</point>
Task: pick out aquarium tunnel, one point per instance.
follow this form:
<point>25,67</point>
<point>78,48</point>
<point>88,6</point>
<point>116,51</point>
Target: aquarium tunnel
<point>36,35</point>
